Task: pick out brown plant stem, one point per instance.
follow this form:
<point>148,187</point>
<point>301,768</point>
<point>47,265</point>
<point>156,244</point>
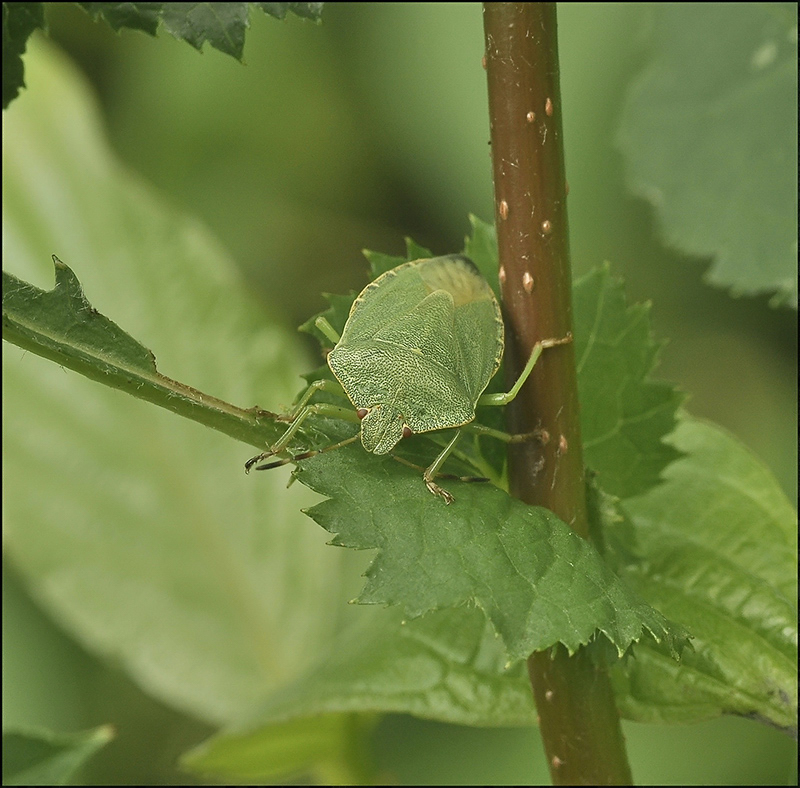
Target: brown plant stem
<point>579,722</point>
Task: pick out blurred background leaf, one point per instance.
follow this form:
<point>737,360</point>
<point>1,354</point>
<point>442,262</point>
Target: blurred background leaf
<point>45,758</point>
<point>718,541</point>
<point>341,142</point>
<point>709,137</point>
<point>144,537</point>
<point>357,133</point>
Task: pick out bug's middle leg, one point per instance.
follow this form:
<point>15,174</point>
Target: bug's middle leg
<point>510,395</point>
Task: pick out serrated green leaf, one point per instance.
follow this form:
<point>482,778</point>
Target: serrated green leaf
<point>64,322</point>
<point>223,25</point>
<point>19,21</point>
<point>134,16</point>
<point>452,667</point>
<point>138,532</point>
<point>279,10</point>
<point>416,252</point>
<point>380,263</point>
<point>717,545</point>
<point>709,135</point>
<point>624,415</point>
<point>537,581</point>
<point>47,758</point>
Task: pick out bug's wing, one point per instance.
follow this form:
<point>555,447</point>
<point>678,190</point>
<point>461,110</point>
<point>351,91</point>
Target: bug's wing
<point>426,330</point>
<point>428,387</point>
<point>479,336</point>
<point>390,296</point>
<point>478,323</point>
<point>443,308</point>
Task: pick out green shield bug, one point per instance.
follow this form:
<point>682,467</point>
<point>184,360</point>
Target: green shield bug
<point>418,349</point>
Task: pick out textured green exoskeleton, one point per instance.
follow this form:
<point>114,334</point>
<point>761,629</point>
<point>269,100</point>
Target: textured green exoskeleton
<point>419,347</point>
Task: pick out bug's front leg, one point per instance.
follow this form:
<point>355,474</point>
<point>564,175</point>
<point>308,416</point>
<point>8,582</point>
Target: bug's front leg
<point>297,457</point>
<point>331,386</point>
<point>320,409</point>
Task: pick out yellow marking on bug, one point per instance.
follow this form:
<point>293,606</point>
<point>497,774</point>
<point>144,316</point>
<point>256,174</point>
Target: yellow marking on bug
<point>460,279</point>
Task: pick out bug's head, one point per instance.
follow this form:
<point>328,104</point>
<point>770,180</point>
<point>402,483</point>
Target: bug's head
<point>381,428</point>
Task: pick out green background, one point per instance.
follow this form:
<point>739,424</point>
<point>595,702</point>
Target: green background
<point>354,134</point>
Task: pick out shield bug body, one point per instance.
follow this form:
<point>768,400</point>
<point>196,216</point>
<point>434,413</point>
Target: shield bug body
<point>418,349</point>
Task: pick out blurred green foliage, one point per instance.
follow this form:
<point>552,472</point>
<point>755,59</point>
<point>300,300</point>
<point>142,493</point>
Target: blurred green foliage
<point>373,126</point>
<point>354,134</point>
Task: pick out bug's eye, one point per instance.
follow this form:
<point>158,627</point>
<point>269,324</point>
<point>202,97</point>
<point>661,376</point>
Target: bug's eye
<point>361,413</point>
<point>407,431</point>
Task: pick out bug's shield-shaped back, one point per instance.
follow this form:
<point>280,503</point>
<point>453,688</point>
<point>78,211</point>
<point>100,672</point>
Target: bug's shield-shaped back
<point>426,330</point>
<point>420,345</point>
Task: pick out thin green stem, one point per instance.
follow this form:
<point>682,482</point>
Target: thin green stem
<point>579,722</point>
